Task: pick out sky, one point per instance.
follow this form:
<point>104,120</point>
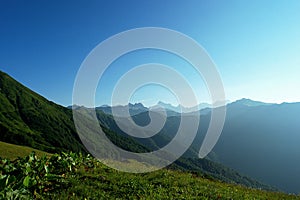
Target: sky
<point>254,44</point>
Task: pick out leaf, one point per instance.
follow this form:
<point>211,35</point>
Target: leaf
<point>26,181</point>
<point>3,181</point>
<point>10,179</point>
<point>28,169</point>
<point>46,168</point>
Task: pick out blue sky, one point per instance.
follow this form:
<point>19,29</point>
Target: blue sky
<point>255,44</point>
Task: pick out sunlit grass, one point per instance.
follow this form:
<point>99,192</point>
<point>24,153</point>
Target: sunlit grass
<point>73,176</point>
<point>12,151</point>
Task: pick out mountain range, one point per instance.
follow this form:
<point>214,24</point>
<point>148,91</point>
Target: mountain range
<point>258,139</point>
<point>137,108</point>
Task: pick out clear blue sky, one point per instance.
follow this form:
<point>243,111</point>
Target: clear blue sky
<point>255,44</point>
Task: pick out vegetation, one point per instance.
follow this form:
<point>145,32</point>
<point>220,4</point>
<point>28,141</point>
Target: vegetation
<point>27,118</point>
<point>12,151</point>
<point>74,176</point>
<point>215,171</point>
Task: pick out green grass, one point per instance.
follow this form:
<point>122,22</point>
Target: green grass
<point>73,176</point>
<point>12,151</point>
<point>103,183</point>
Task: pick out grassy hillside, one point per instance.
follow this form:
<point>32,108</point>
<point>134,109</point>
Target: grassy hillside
<point>27,118</point>
<point>12,151</point>
<point>72,176</point>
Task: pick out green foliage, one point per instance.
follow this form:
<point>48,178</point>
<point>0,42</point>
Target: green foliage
<point>32,176</point>
<point>74,176</point>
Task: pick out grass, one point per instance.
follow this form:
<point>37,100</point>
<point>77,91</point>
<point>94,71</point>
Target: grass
<point>12,151</point>
<point>73,176</point>
<point>104,183</point>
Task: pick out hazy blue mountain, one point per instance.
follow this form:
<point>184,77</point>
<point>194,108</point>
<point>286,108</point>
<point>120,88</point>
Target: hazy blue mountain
<point>259,139</point>
<point>182,109</point>
<point>249,102</point>
<point>134,109</point>
<point>263,142</point>
<point>138,108</point>
<point>189,161</point>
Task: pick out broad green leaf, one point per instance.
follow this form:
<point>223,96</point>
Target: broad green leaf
<point>26,181</point>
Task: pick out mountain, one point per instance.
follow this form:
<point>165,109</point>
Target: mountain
<point>189,161</point>
<point>134,109</point>
<point>259,139</point>
<point>263,142</point>
<point>182,109</point>
<point>249,102</point>
<point>137,108</point>
<point>26,118</point>
<point>29,119</point>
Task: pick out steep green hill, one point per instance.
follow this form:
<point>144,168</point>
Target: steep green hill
<point>29,119</point>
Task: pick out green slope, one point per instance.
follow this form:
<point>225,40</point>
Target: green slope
<point>71,176</point>
<point>163,184</point>
<point>12,151</point>
<point>27,118</point>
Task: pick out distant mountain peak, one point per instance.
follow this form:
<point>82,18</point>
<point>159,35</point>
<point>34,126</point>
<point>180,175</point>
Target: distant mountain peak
<point>161,103</point>
<point>250,102</point>
<point>104,106</point>
<point>182,109</point>
<point>136,105</point>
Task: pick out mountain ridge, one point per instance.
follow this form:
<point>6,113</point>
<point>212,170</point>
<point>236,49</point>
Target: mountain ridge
<point>179,108</point>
